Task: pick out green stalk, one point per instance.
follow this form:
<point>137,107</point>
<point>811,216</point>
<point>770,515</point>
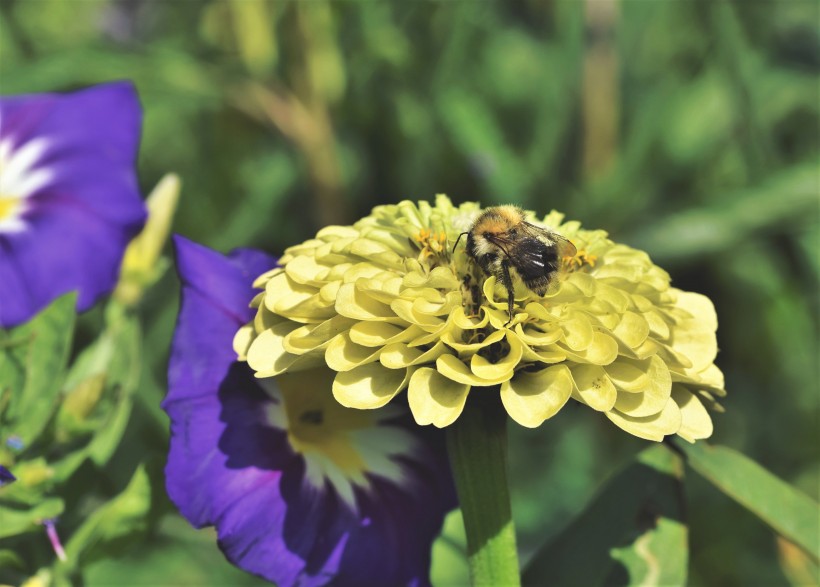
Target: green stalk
<point>477,445</point>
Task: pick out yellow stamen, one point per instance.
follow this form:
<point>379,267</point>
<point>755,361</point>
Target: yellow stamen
<point>8,205</point>
<point>432,244</point>
<point>580,259</point>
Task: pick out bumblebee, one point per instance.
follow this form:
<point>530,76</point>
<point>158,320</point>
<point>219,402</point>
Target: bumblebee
<point>503,243</point>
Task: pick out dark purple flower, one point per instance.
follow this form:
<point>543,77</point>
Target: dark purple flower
<point>302,491</point>
<point>6,477</point>
<point>69,200</point>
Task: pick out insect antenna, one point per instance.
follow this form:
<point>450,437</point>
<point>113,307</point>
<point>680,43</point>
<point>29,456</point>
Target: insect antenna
<point>497,242</point>
<point>458,239</point>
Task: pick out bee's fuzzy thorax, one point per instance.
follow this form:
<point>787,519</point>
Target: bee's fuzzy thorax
<point>510,213</point>
<point>498,219</point>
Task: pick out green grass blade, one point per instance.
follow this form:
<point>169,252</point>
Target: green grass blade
<point>789,512</point>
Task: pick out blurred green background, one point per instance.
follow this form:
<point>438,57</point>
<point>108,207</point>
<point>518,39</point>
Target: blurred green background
<point>689,129</point>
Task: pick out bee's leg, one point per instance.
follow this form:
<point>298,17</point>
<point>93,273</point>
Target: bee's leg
<point>506,280</point>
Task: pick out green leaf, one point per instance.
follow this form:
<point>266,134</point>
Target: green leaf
<point>632,533</point>
<point>113,526</point>
<point>113,361</point>
<point>12,375</point>
<point>123,376</point>
<point>785,509</point>
<point>43,358</point>
<point>17,521</point>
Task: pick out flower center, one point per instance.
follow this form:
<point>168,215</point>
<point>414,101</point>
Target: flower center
<point>580,259</point>
<point>433,247</point>
<point>9,205</point>
<point>19,179</point>
<point>340,446</point>
<point>318,425</point>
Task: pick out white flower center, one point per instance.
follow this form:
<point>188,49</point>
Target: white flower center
<point>340,446</point>
<point>19,179</point>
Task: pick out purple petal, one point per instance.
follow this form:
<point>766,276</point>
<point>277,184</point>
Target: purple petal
<point>81,204</point>
<point>232,466</point>
<point>6,477</point>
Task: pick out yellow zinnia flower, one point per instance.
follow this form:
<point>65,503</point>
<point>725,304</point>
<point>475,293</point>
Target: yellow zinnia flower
<point>390,305</point>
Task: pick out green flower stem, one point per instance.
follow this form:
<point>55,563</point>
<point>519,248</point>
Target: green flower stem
<point>477,444</point>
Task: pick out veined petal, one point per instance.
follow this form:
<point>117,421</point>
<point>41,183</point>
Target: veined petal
<point>696,424</point>
<point>492,369</point>
<point>602,351</point>
<point>593,387</point>
<point>452,368</point>
<point>267,354</point>
<point>654,397</point>
<point>699,307</point>
<point>399,356</point>
<point>343,354</point>
<point>632,329</point>
<point>454,340</point>
<point>369,386</point>
<point>354,303</point>
<point>315,337</point>
<point>533,397</point>
<point>578,332</point>
<point>654,427</point>
<point>628,377</point>
<point>436,399</point>
<point>376,334</point>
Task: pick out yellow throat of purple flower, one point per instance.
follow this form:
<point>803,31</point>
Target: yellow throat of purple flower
<point>340,446</point>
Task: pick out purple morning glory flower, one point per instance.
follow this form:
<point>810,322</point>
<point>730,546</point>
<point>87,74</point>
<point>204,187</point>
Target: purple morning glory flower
<point>302,491</point>
<point>69,200</point>
<point>6,477</point>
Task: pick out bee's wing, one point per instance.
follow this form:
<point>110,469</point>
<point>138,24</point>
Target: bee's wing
<point>565,246</point>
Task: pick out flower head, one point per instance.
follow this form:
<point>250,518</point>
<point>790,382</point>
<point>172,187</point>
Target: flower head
<point>393,302</point>
<point>69,200</point>
<point>302,491</point>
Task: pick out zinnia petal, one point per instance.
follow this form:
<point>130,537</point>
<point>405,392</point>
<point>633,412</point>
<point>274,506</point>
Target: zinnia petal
<point>532,398</point>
